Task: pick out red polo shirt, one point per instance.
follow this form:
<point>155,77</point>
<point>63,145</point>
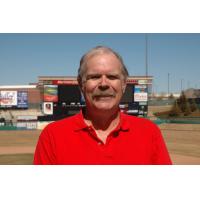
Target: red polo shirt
<point>71,141</point>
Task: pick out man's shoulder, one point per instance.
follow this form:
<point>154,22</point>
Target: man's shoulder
<point>68,122</point>
<point>135,118</point>
<point>138,121</point>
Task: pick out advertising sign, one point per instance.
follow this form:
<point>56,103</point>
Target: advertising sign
<point>65,82</point>
<point>8,98</point>
<point>51,93</point>
<point>142,96</point>
<point>48,108</point>
<point>140,93</point>
<point>143,103</point>
<point>142,81</point>
<point>140,88</point>
<point>132,81</point>
<point>22,99</point>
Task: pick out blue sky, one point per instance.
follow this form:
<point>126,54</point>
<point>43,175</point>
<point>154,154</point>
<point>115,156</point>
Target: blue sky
<point>24,57</point>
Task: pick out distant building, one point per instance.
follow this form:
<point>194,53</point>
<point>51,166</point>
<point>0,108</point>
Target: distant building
<point>192,93</point>
<point>55,97</point>
<point>164,95</point>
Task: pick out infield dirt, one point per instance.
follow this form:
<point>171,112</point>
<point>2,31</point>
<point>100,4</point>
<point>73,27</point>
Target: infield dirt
<point>182,140</point>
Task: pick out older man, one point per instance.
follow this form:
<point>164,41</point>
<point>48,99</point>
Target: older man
<point>100,133</point>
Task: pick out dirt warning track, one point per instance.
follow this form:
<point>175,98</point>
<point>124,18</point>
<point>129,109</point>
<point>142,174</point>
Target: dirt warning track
<point>182,140</point>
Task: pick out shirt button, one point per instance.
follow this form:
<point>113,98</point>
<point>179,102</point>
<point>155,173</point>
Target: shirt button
<point>89,128</point>
<point>115,134</point>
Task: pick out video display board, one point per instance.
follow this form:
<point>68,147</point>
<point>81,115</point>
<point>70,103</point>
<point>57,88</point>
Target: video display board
<point>128,94</point>
<point>50,93</point>
<point>69,94</point>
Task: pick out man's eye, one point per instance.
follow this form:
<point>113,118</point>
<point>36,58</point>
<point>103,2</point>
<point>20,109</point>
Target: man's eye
<point>93,77</point>
<point>112,77</point>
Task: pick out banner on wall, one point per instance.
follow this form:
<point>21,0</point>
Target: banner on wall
<point>8,98</point>
<point>22,99</point>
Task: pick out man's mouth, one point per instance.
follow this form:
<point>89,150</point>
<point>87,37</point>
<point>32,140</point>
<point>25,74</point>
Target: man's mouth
<point>103,97</point>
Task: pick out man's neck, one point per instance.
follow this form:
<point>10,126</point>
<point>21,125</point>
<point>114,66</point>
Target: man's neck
<point>103,123</point>
<point>103,120</point>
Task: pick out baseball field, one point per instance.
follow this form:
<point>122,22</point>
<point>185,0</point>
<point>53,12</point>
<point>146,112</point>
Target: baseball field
<point>183,142</point>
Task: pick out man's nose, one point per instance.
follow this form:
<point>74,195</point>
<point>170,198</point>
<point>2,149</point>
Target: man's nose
<point>104,82</point>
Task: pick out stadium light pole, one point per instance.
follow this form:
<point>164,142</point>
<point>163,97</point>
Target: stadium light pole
<point>181,85</point>
<point>188,84</point>
<point>146,54</point>
<point>183,82</point>
<point>168,84</point>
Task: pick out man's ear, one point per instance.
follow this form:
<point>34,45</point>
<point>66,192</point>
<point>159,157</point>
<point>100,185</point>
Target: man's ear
<point>80,84</point>
<point>124,87</point>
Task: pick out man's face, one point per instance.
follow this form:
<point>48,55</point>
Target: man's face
<point>104,83</point>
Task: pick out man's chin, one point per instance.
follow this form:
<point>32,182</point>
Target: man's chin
<point>104,107</point>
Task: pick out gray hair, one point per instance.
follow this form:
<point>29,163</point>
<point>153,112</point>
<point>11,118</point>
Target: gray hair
<point>95,51</point>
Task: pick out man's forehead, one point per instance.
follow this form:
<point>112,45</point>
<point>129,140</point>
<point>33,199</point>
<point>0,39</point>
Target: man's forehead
<point>103,57</point>
<point>103,65</point>
<point>101,54</point>
<point>100,71</point>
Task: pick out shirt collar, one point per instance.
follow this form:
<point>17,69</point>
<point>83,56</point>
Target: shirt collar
<point>80,124</point>
<point>124,123</point>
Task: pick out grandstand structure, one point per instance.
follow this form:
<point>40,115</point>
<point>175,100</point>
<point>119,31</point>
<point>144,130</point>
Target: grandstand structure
<point>19,101</point>
<point>55,97</point>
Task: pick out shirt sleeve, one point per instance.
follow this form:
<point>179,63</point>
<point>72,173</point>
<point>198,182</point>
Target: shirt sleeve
<point>45,151</point>
<point>160,152</point>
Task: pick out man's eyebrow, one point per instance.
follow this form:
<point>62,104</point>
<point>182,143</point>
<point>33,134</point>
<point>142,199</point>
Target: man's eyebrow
<point>107,74</point>
<point>88,76</point>
<point>113,74</point>
<point>91,74</point>
<point>95,74</point>
<point>116,75</point>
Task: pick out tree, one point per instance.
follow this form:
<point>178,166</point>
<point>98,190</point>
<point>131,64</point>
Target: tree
<point>183,103</point>
<point>193,105</point>
<point>187,109</point>
<point>171,96</point>
<point>175,111</point>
